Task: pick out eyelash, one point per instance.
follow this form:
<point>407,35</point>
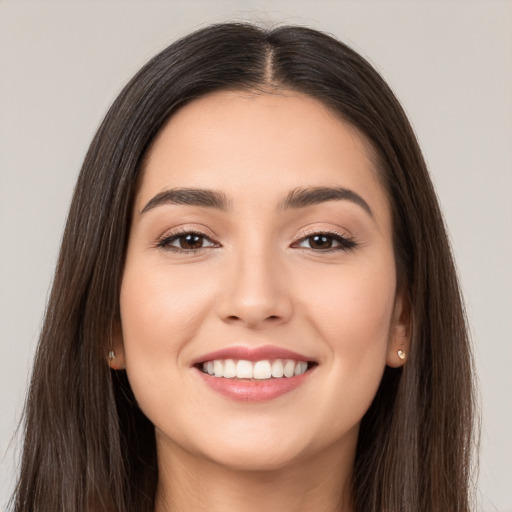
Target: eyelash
<point>165,242</point>
<point>345,243</point>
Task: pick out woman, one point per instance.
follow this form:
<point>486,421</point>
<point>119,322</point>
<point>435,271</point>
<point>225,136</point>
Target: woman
<point>255,306</point>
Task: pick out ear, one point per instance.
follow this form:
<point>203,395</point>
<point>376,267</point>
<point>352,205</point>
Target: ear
<point>400,331</point>
<point>115,356</point>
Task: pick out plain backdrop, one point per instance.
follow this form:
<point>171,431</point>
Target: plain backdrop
<point>449,62</point>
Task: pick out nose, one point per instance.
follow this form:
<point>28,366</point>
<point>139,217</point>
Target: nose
<point>254,292</point>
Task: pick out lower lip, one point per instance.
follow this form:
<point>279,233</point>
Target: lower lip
<point>253,390</point>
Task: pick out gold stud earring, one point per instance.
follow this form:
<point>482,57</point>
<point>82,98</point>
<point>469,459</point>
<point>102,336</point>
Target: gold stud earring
<point>401,355</point>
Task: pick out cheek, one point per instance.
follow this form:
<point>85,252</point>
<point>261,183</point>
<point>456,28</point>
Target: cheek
<point>351,311</point>
<point>159,304</point>
<point>357,314</point>
<point>160,312</point>
<point>352,305</point>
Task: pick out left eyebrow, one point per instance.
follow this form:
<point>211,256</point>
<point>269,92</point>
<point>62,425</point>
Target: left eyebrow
<point>308,196</point>
<point>189,196</point>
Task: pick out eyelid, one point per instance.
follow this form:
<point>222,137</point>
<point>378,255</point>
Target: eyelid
<point>180,231</point>
<point>345,240</point>
<point>325,231</point>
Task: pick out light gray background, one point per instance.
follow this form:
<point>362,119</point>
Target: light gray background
<point>450,63</point>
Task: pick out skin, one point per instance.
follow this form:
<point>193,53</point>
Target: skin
<point>260,281</point>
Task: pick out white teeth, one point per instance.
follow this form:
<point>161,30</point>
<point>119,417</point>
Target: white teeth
<point>218,368</point>
<point>229,369</point>
<point>244,370</point>
<point>262,370</point>
<point>259,370</point>
<point>300,368</point>
<point>277,369</point>
<point>289,368</point>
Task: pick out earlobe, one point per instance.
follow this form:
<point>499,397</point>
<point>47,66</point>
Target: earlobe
<point>400,332</point>
<point>115,355</point>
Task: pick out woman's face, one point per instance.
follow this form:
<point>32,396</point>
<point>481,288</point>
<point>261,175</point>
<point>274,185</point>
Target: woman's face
<point>260,234</point>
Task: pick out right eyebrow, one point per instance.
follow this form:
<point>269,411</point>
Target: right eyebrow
<point>189,196</point>
<point>302,197</point>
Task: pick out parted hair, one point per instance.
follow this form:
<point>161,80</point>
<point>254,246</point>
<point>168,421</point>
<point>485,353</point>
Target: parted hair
<point>88,447</point>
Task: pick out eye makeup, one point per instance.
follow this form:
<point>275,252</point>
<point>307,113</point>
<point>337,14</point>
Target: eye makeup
<point>192,241</point>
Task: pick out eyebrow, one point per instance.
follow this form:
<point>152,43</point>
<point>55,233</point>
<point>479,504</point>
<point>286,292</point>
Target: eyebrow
<point>191,197</point>
<point>308,196</point>
<point>300,197</point>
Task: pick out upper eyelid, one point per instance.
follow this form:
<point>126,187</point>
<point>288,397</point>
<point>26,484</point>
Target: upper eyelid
<point>344,241</point>
<point>342,234</point>
<point>327,231</point>
<point>175,234</point>
<point>304,234</point>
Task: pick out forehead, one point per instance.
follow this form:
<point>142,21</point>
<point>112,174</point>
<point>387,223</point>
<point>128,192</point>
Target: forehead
<point>256,144</point>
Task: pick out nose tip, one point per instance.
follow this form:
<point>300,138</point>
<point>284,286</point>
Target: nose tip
<point>255,297</point>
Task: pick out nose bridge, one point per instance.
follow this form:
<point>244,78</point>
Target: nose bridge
<point>255,292</point>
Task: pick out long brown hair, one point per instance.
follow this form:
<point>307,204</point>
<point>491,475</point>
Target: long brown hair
<point>88,447</point>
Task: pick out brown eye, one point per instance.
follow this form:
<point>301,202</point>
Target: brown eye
<point>320,242</point>
<point>186,242</point>
<point>190,241</point>
<point>324,242</point>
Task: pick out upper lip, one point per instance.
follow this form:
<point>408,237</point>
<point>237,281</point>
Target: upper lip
<point>239,352</point>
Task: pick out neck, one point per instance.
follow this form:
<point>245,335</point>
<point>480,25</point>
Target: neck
<point>189,483</point>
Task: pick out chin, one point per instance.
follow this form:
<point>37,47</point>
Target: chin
<point>245,449</point>
<point>256,458</point>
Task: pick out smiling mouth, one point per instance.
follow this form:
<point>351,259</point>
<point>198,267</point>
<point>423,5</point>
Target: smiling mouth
<point>264,369</point>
